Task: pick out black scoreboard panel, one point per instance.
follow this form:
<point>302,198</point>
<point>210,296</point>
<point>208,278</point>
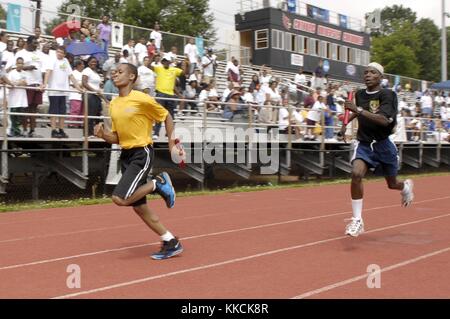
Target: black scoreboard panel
<point>298,41</point>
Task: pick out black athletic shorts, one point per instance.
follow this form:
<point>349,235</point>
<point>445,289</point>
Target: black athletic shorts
<point>135,164</point>
<point>57,105</point>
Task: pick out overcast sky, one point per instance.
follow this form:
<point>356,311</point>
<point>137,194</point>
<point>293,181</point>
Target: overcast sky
<point>224,10</point>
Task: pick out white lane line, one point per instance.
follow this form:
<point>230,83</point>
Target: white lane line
<point>235,260</point>
<point>138,224</point>
<point>361,277</point>
<point>184,218</point>
<point>45,261</point>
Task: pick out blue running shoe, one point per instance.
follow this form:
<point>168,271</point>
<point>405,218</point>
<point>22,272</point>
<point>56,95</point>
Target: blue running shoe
<point>165,189</point>
<point>168,249</point>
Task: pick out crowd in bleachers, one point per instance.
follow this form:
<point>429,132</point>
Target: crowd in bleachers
<point>186,84</point>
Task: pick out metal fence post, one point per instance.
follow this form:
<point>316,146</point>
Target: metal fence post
<point>86,135</point>
<point>5,173</point>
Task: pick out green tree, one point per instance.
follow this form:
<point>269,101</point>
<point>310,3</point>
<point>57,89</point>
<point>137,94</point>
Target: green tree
<point>2,17</point>
<point>396,52</point>
<point>187,17</point>
<point>394,17</point>
<point>428,51</point>
<point>420,39</point>
<point>88,8</point>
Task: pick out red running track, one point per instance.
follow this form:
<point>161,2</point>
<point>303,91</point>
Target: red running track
<point>270,244</point>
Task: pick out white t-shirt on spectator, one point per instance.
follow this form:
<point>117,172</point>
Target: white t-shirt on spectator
<point>213,93</point>
<point>173,57</point>
<point>226,92</point>
<point>402,105</point>
<point>439,100</point>
<point>146,77</point>
<point>94,79</point>
<point>48,62</point>
<point>426,101</point>
<point>124,60</point>
<point>59,79</point>
<point>209,70</point>
<point>445,113</point>
<point>203,96</point>
<point>191,51</point>
<point>248,97</point>
<point>274,96</point>
<point>265,80</point>
<point>131,54</point>
<point>2,46</point>
<point>6,56</point>
<point>158,38</point>
<point>78,77</point>
<point>283,118</point>
<point>17,97</point>
<point>141,51</point>
<point>35,58</point>
<point>300,79</point>
<point>315,112</point>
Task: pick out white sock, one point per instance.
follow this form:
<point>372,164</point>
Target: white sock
<point>154,185</point>
<point>167,236</point>
<point>357,205</point>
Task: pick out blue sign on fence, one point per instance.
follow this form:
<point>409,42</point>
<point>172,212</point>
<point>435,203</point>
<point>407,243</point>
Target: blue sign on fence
<point>13,17</point>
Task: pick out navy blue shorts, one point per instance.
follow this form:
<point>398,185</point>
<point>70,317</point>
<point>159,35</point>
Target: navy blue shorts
<point>381,157</point>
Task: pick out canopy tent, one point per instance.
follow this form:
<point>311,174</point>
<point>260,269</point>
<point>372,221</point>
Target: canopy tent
<point>441,86</point>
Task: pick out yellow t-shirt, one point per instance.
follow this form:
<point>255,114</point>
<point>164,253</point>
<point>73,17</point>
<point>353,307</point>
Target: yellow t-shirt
<point>165,79</point>
<point>132,118</point>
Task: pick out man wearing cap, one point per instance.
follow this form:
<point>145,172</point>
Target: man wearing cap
<point>166,77</point>
<point>376,110</point>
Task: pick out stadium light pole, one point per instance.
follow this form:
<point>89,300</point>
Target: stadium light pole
<point>444,44</point>
<point>37,21</point>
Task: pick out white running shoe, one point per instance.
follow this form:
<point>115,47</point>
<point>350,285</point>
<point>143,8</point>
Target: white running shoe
<point>407,193</point>
<point>355,228</point>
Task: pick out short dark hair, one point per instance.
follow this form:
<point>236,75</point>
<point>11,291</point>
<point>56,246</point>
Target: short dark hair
<point>77,62</point>
<point>19,58</point>
<point>133,69</point>
<point>62,48</point>
<point>30,39</point>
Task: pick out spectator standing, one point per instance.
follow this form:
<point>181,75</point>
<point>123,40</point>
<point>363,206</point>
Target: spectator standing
<point>91,81</point>
<point>104,32</point>
<point>173,54</point>
<point>141,51</point>
<point>426,103</point>
<point>8,53</point>
<point>157,35</point>
<point>234,73</point>
<point>146,78</point>
<point>110,65</point>
<point>76,99</point>
<point>17,98</point>
<point>40,40</point>
<point>166,76</point>
<point>86,30</point>
<point>300,82</point>
<point>314,117</point>
<point>57,77</point>
<point>319,75</point>
<point>34,63</point>
<point>209,65</point>
<point>191,52</point>
<point>130,48</point>
<point>151,49</point>
<point>265,77</point>
<point>20,45</point>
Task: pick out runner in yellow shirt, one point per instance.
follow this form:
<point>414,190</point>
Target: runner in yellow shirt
<point>132,114</point>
